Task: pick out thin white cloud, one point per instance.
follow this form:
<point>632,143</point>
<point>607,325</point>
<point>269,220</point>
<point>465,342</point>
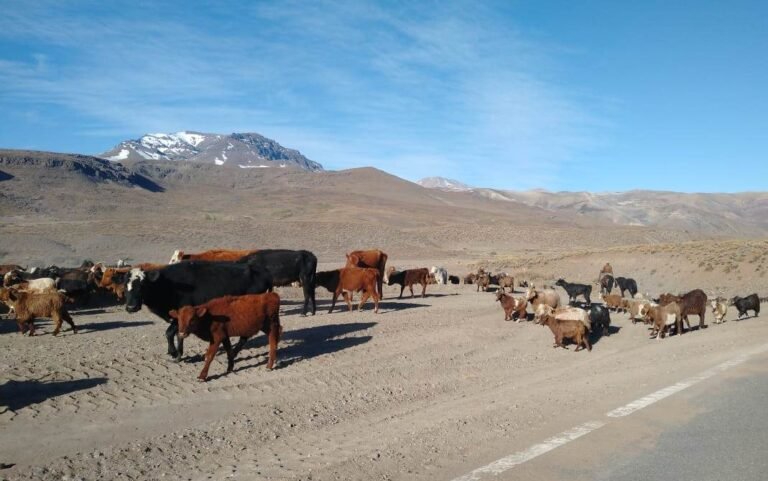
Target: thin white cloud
<point>420,89</point>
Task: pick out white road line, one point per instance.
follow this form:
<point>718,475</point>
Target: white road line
<point>509,462</point>
<point>657,396</point>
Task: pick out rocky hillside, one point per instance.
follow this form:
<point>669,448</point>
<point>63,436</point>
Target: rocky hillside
<point>741,214</point>
<point>243,150</point>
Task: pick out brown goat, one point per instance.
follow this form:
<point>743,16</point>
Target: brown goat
<point>30,305</point>
<point>218,320</point>
<point>483,281</point>
<point>512,305</point>
<point>691,303</point>
<point>614,301</point>
<point>662,317</point>
<point>507,281</point>
<point>574,330</point>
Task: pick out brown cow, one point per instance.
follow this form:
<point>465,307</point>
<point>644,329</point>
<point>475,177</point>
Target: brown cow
<point>211,255</point>
<point>374,259</point>
<point>349,280</point>
<point>408,278</point>
<point>218,320</point>
<point>29,305</point>
<point>512,305</point>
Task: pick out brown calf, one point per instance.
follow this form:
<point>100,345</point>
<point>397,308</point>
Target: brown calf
<point>349,280</point>
<point>29,305</point>
<point>374,259</point>
<point>512,305</point>
<point>408,278</point>
<point>218,320</point>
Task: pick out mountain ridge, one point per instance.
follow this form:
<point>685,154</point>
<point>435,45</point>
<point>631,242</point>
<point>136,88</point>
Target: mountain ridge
<point>244,150</point>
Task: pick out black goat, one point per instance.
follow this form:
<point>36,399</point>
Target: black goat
<point>627,284</point>
<point>749,303</point>
<point>575,290</point>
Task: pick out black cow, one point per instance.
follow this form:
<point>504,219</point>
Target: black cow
<point>454,279</point>
<point>288,266</point>
<point>190,283</point>
<point>600,319</point>
<point>627,284</point>
<point>606,284</point>
<point>749,303</point>
<point>575,290</point>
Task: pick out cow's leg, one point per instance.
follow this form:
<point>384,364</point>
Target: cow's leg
<point>402,288</point>
<point>180,348</point>
<point>348,299</point>
<point>209,355</point>
<point>380,283</point>
<point>333,301</point>
<point>239,346</point>
<point>376,298</point>
<point>230,354</point>
<point>363,297</point>
<point>410,286</point>
<point>274,338</point>
<point>170,333</point>
<point>307,295</point>
<point>424,290</point>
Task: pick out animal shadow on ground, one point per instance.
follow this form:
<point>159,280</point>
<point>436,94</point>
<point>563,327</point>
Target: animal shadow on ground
<point>19,394</point>
<point>105,326</point>
<point>302,344</point>
<point>43,326</point>
<point>594,337</point>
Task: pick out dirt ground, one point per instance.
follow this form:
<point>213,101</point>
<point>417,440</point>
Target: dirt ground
<point>426,389</point>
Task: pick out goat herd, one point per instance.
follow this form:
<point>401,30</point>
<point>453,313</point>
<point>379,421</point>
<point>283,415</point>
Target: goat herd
<point>219,294</point>
<point>577,324</point>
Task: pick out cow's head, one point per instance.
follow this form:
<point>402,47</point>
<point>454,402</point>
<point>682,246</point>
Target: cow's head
<point>176,257</point>
<point>134,286</point>
<point>188,318</point>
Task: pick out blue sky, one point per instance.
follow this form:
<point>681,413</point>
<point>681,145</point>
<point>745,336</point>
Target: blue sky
<point>593,95</point>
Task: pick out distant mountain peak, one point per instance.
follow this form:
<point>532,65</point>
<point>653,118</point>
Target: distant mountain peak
<point>245,150</point>
<point>443,183</point>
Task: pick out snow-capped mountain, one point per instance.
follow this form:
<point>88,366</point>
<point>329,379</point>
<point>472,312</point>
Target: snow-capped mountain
<point>245,150</point>
<point>443,184</point>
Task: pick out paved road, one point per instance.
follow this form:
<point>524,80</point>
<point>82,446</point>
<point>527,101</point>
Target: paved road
<point>714,431</point>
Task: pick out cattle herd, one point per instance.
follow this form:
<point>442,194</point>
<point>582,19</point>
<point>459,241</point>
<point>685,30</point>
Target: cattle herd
<point>219,294</point>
